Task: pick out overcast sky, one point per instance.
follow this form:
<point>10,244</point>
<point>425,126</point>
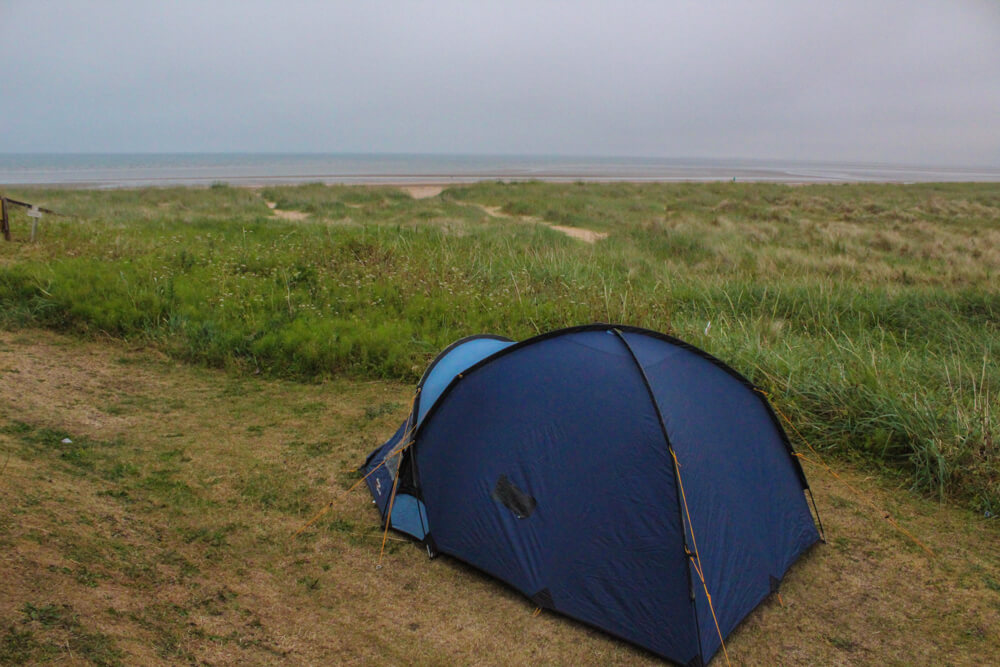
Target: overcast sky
<point>869,80</point>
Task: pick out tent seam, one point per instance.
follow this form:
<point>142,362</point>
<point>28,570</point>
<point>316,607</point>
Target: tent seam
<point>677,492</point>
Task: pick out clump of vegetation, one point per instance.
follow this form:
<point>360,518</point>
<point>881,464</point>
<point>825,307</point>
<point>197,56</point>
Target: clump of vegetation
<point>61,632</point>
<point>868,312</point>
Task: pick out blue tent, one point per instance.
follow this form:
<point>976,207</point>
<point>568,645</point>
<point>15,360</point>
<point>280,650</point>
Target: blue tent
<point>613,474</point>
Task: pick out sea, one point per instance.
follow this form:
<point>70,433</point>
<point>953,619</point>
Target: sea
<point>122,170</point>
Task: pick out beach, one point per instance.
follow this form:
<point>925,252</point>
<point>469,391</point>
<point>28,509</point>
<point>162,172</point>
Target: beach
<point>118,170</point>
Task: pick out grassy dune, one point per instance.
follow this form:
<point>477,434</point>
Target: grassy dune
<point>869,312</point>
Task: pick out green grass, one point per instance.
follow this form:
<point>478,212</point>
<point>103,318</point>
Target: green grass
<point>21,646</point>
<point>869,312</point>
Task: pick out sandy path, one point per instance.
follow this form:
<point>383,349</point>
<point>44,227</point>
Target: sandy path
<point>286,215</point>
<point>585,235</point>
<point>428,191</point>
<point>423,191</point>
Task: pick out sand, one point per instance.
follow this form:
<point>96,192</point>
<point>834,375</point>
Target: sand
<point>585,235</point>
<point>286,215</point>
<point>428,191</point>
<point>423,191</point>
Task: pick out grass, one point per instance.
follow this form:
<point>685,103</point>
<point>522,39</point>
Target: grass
<point>188,556</point>
<point>19,646</point>
<point>869,312</point>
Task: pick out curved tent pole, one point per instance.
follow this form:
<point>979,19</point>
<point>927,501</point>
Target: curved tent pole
<point>679,491</point>
<point>415,409</point>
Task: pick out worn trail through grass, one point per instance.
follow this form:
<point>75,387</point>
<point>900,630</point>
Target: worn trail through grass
<point>146,510</point>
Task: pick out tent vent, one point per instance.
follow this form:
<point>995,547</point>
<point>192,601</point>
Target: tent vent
<point>513,498</point>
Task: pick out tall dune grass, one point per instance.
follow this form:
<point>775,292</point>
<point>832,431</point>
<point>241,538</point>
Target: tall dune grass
<point>869,312</point>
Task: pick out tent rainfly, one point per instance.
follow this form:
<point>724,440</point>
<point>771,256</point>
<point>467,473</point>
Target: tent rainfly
<point>612,474</point>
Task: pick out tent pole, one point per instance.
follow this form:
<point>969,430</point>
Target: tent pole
<point>822,533</point>
<point>677,489</point>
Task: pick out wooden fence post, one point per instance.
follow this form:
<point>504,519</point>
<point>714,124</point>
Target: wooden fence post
<point>4,222</point>
<point>34,212</point>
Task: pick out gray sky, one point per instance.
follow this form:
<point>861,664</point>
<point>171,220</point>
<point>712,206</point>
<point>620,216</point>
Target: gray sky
<point>869,80</point>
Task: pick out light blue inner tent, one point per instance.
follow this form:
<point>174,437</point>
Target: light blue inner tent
<point>408,513</point>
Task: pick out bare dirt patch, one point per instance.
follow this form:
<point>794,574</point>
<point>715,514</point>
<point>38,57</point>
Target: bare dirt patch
<point>286,215</point>
<point>423,191</point>
<point>497,212</point>
<point>165,529</point>
<point>587,235</point>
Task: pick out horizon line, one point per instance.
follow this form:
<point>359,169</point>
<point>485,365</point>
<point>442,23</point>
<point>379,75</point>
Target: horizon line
<point>599,156</point>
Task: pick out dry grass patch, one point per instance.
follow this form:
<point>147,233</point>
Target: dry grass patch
<point>162,535</point>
